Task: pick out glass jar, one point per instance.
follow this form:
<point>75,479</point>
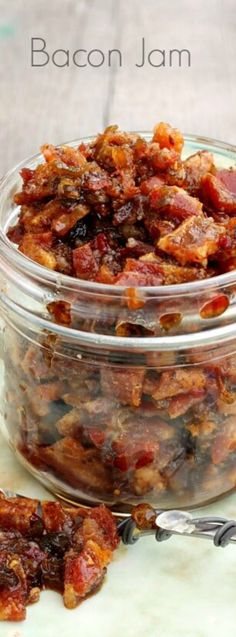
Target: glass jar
<point>117,395</point>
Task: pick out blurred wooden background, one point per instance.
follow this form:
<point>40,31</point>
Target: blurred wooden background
<point>54,105</point>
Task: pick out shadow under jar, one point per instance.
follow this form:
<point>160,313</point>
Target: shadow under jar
<point>100,414</point>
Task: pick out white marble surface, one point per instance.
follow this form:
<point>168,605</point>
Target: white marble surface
<point>182,588</point>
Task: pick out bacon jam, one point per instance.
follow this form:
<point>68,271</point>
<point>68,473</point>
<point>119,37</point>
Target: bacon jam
<point>124,211</point>
<point>47,545</point>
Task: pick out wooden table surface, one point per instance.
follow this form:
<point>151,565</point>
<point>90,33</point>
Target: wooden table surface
<point>57,104</point>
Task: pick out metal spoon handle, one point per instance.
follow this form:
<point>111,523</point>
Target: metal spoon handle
<point>217,529</point>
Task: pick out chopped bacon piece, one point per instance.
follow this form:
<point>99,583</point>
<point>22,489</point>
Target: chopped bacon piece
<point>37,248</point>
<point>69,189</point>
<point>228,179</point>
<point>179,405</point>
<point>122,188</point>
<point>85,264</point>
<point>62,224</point>
<point>123,385</point>
<point>168,137</point>
<point>92,414</point>
<point>178,381</point>
<point>41,184</point>
<point>13,592</point>
<point>175,202</point>
<point>138,249</point>
<point>161,159</point>
<point>95,181</point>
<point>157,226</point>
<point>194,240</point>
<point>55,518</point>
<point>122,158</point>
<point>99,526</point>
<point>96,436</point>
<point>17,514</point>
<point>140,273</point>
<point>38,221</point>
<point>35,365</point>
<point>152,183</point>
<point>131,211</point>
<point>40,396</point>
<point>173,274</point>
<point>65,154</point>
<point>26,174</point>
<point>84,572</point>
<point>135,442</point>
<point>100,408</point>
<point>134,279</point>
<point>220,190</point>
<point>196,167</point>
<point>136,453</point>
<point>105,275</point>
<point>77,465</point>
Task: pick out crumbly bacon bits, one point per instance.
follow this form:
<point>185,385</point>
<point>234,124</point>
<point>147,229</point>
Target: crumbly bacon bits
<point>129,190</point>
<point>68,551</point>
<point>193,241</point>
<point>220,190</point>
